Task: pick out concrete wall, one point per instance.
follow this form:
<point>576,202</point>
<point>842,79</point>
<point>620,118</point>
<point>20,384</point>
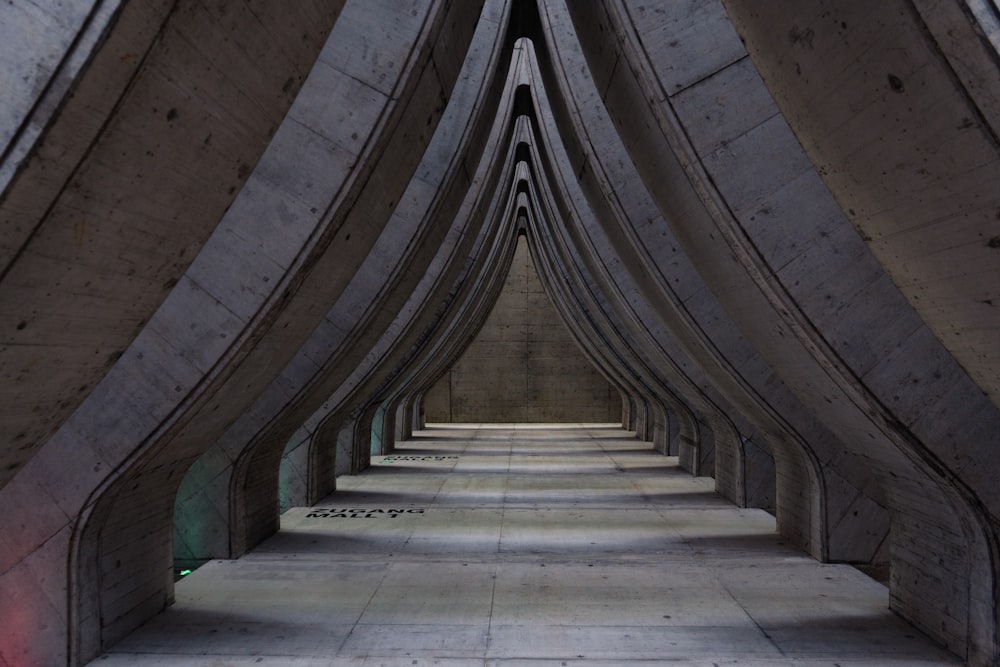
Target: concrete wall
<point>523,365</point>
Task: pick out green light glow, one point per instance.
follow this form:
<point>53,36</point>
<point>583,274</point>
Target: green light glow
<point>184,573</point>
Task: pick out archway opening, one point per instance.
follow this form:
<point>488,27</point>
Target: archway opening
<point>523,366</point>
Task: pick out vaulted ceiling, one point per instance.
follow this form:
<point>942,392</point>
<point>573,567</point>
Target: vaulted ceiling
<point>231,227</point>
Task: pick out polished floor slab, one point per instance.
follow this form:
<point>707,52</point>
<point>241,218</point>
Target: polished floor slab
<point>526,546</point>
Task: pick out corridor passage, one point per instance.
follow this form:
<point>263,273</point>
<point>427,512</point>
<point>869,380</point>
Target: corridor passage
<point>526,545</point>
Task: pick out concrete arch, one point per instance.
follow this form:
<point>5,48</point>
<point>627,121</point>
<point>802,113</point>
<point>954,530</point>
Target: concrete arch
<point>471,260</point>
<point>927,110</point>
<point>582,314</point>
<point>346,421</point>
<point>131,589</point>
<point>636,401</point>
<point>341,428</point>
<point>773,228</point>
<point>648,369</point>
<point>647,303</point>
<point>119,122</point>
<point>476,289</point>
<point>377,303</point>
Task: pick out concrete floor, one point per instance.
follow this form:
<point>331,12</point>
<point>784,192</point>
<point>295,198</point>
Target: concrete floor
<point>520,546</point>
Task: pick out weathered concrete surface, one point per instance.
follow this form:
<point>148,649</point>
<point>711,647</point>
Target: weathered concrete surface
<point>781,254</point>
<point>523,365</point>
<point>42,51</point>
<point>906,140</point>
<point>513,544</point>
<point>669,321</point>
<point>243,462</point>
<point>227,309</point>
<point>852,390</point>
<point>142,152</point>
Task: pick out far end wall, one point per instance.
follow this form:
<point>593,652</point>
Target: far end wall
<point>523,365</point>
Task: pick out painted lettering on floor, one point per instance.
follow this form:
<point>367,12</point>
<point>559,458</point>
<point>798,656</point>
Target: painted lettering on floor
<point>394,459</point>
<point>355,513</point>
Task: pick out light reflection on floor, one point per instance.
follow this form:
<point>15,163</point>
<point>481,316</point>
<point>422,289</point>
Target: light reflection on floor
<point>535,545</point>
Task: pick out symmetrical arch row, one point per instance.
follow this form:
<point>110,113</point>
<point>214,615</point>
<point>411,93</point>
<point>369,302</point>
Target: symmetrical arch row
<point>716,255</point>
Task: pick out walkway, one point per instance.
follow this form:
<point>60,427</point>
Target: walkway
<point>517,546</point>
